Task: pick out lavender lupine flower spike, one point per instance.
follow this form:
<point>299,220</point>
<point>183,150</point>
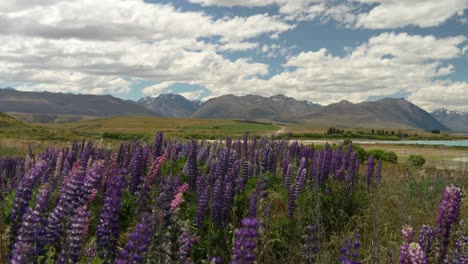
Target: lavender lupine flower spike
<point>29,240</point>
<point>24,194</point>
<point>427,239</point>
<point>244,244</point>
<point>186,242</point>
<point>158,145</point>
<point>310,244</point>
<point>138,243</point>
<point>72,247</point>
<point>378,171</point>
<point>350,251</point>
<point>369,171</point>
<point>107,232</point>
<point>407,234</point>
<point>192,172</point>
<point>137,166</point>
<point>416,254</point>
<point>449,212</point>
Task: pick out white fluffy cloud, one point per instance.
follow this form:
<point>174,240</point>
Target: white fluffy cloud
<point>442,94</point>
<point>387,64</point>
<point>400,13</point>
<point>100,46</point>
<point>372,14</point>
<point>106,46</point>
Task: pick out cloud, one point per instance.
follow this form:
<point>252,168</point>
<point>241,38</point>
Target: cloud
<point>372,14</point>
<point>386,64</point>
<point>193,95</point>
<point>81,45</point>
<point>442,94</point>
<point>400,13</point>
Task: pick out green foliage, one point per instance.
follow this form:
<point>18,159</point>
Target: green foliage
<point>416,160</point>
<point>384,155</point>
<point>362,154</point>
<point>125,136</point>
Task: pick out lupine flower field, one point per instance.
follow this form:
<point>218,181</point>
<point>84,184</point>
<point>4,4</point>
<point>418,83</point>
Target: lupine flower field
<point>248,200</point>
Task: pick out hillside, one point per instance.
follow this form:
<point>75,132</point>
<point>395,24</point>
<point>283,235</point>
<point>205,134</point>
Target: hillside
<point>384,113</point>
<point>46,103</point>
<point>170,105</point>
<point>13,128</point>
<point>455,120</point>
<point>254,107</point>
<point>7,121</point>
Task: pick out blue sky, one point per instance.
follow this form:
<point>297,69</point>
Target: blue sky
<point>323,51</point>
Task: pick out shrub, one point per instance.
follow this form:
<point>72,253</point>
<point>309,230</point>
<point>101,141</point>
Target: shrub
<point>416,160</point>
<point>388,156</point>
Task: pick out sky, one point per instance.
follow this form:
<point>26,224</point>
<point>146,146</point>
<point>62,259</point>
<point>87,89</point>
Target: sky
<point>323,51</point>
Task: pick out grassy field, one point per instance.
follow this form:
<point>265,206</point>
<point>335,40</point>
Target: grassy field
<point>177,127</point>
<point>15,135</point>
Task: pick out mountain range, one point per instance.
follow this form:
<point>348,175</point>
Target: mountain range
<point>455,120</point>
<point>387,113</point>
<point>45,107</point>
<point>170,105</point>
<point>384,113</point>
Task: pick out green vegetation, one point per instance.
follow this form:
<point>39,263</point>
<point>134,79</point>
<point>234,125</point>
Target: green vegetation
<point>384,155</point>
<point>124,128</point>
<point>298,132</point>
<point>416,160</point>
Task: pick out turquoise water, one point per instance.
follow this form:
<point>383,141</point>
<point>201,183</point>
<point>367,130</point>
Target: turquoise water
<point>450,143</point>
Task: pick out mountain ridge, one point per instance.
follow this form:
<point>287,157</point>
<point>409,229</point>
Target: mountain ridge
<point>47,103</point>
<point>455,120</point>
<point>384,113</point>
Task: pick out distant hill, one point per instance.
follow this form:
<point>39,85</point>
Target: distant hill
<point>254,107</point>
<point>384,113</point>
<point>455,120</point>
<point>170,105</point>
<point>7,121</point>
<point>46,103</point>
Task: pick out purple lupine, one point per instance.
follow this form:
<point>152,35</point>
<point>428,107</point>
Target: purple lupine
<point>461,250</point>
<point>291,201</point>
<point>244,243</point>
<point>229,193</point>
<point>24,194</point>
<point>254,197</point>
<point>369,171</point>
<point>202,205</point>
<point>138,243</point>
<point>350,251</point>
<point>300,181</point>
<point>310,247</point>
<point>107,231</point>
<point>192,169</point>
<point>158,145</point>
<point>30,234</point>
<point>257,162</point>
<point>71,249</point>
<point>378,171</point>
<point>217,202</point>
<point>267,211</point>
<point>427,239</point>
<point>287,176</point>
<point>70,199</point>
<point>416,254</point>
<point>21,254</point>
<point>136,169</point>
<point>449,213</point>
<point>245,145</point>
<point>325,163</point>
<point>407,233</point>
<point>186,242</point>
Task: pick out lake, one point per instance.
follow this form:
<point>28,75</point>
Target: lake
<point>449,143</point>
